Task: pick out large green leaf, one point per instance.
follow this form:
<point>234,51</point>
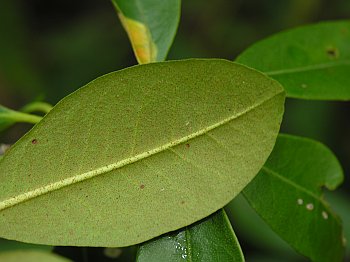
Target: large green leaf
<point>138,153</point>
<point>211,239</point>
<point>151,26</point>
<point>30,256</point>
<point>311,62</point>
<point>287,195</point>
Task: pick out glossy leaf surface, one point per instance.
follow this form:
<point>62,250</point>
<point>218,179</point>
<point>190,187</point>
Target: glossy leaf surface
<point>30,256</point>
<point>139,153</point>
<point>311,62</point>
<point>287,195</point>
<point>211,239</point>
<point>151,26</point>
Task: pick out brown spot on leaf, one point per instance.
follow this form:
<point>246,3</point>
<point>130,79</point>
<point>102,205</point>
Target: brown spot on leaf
<point>142,186</point>
<point>188,145</point>
<point>332,52</point>
<point>182,202</point>
<point>34,141</point>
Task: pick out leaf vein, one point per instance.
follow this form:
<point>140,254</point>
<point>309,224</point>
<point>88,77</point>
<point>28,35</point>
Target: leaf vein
<point>308,68</point>
<point>12,201</point>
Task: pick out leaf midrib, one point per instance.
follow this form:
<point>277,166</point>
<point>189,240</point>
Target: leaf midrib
<point>308,68</point>
<point>10,202</point>
<point>293,184</point>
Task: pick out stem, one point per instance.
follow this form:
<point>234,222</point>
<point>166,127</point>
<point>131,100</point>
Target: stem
<point>37,107</point>
<point>21,117</point>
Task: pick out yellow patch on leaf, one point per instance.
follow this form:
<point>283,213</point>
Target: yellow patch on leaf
<point>144,48</point>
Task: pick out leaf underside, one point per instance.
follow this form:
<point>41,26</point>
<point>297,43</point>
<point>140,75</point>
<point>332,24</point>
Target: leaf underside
<point>139,153</point>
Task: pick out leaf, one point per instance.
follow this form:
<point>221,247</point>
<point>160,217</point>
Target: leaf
<point>139,153</point>
<point>211,239</point>
<point>253,230</point>
<point>7,245</point>
<point>30,256</point>
<point>311,62</point>
<point>151,26</point>
<point>287,195</point>
<point>340,204</point>
<point>9,117</point>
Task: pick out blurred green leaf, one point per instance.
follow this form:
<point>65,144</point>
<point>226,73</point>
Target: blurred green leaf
<point>211,239</point>
<point>287,195</point>
<point>17,66</point>
<point>311,62</point>
<point>30,256</point>
<point>10,245</point>
<point>119,160</point>
<point>151,26</point>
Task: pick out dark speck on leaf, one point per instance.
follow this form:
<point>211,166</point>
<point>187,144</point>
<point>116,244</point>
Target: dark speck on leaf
<point>34,141</point>
<point>332,52</point>
<point>182,202</point>
<point>187,145</point>
<point>142,186</point>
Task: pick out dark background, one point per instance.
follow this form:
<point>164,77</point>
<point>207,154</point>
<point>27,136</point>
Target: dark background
<point>48,49</point>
